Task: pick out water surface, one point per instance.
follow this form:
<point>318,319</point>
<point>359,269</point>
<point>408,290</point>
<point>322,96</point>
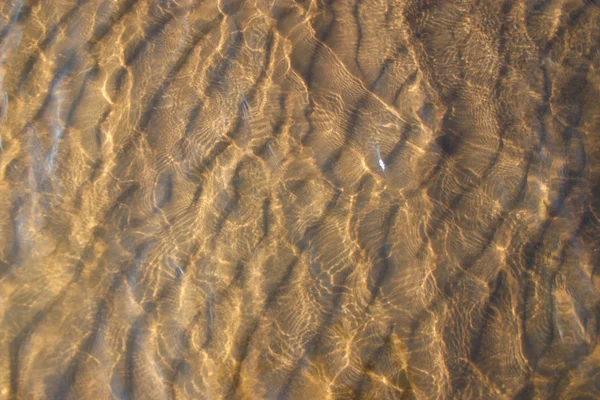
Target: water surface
<point>370,199</point>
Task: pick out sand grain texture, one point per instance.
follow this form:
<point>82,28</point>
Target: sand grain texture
<point>299,199</point>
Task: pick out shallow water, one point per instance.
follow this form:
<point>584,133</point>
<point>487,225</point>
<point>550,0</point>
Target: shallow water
<point>299,199</point>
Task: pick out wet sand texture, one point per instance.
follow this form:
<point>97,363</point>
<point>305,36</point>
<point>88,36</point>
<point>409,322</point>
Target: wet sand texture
<point>343,199</point>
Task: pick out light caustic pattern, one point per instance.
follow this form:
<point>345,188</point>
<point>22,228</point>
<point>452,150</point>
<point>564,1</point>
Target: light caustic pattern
<point>299,199</point>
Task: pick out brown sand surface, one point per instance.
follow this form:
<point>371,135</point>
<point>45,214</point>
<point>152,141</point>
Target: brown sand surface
<point>299,199</point>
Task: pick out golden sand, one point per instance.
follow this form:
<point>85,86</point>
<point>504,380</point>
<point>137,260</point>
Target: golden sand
<point>286,199</point>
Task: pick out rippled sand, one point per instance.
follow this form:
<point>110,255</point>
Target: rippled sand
<point>299,199</point>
